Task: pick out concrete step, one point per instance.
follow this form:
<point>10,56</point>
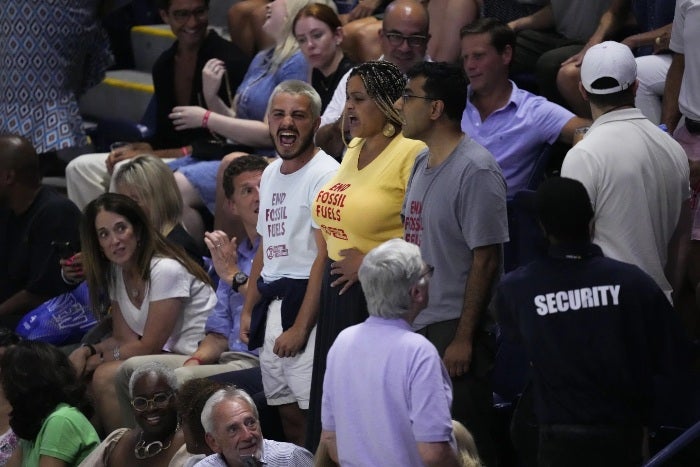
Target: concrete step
<point>123,94</point>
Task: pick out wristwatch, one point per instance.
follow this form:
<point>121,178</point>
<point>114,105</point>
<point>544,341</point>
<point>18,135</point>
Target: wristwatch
<point>238,280</point>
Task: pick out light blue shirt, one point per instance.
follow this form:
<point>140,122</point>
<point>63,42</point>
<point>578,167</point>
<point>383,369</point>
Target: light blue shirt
<point>226,317</point>
<point>516,133</point>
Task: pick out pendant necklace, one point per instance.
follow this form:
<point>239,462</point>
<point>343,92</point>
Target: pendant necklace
<point>152,449</point>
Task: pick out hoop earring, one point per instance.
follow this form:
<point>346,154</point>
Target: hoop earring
<point>389,130</point>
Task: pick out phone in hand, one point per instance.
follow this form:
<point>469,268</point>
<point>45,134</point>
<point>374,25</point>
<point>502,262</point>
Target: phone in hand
<point>63,248</point>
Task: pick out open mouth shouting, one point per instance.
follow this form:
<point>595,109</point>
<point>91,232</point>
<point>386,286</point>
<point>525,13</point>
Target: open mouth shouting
<point>287,138</point>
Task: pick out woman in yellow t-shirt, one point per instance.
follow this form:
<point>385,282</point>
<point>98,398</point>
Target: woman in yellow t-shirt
<point>360,207</point>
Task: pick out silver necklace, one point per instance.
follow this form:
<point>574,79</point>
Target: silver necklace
<point>152,449</point>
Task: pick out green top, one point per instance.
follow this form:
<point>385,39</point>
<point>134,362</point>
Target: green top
<point>66,435</point>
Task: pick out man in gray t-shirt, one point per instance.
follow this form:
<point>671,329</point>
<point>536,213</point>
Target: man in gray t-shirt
<point>455,210</point>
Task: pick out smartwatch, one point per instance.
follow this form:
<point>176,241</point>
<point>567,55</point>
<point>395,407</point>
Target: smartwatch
<point>238,280</point>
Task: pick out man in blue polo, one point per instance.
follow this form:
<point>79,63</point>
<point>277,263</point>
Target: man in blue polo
<point>513,124</point>
<point>596,332</point>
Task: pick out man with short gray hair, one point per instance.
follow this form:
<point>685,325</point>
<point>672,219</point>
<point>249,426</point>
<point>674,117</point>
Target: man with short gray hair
<point>230,420</point>
<point>382,375</point>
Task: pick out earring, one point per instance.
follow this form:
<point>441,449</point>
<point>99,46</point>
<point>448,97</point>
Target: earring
<point>389,130</point>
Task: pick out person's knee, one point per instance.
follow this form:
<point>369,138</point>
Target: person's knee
<point>568,77</point>
<point>190,196</point>
<point>103,379</point>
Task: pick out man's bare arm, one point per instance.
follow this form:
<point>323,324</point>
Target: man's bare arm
<point>670,113</point>
<point>485,266</point>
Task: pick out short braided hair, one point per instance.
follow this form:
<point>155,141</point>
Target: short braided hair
<point>384,83</point>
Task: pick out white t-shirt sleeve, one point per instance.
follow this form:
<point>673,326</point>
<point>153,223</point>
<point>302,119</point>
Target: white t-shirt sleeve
<point>335,107</point>
<point>169,279</point>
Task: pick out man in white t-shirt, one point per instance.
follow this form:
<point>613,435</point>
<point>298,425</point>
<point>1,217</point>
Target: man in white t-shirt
<point>279,314</point>
<point>636,175</point>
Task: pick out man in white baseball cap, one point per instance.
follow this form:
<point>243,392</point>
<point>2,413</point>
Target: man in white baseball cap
<point>636,174</point>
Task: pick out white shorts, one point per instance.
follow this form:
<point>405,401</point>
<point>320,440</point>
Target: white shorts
<point>285,380</point>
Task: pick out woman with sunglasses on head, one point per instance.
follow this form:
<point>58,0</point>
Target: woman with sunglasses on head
<point>360,207</point>
<point>319,33</point>
<point>159,297</point>
<point>49,407</point>
<point>156,441</point>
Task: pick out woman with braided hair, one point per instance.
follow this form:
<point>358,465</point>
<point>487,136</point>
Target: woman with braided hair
<point>360,207</point>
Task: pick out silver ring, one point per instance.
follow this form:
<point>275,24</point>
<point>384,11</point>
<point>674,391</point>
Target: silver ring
<point>218,245</point>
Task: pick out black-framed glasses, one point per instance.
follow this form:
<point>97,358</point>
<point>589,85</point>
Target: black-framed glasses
<point>406,96</point>
<point>159,400</point>
<point>396,39</point>
<point>182,16</point>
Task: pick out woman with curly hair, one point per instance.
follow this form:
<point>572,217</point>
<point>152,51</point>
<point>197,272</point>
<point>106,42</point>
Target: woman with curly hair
<point>360,207</point>
<point>49,408</point>
<point>192,396</point>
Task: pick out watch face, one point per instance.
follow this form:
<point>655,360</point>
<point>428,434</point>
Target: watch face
<point>240,278</point>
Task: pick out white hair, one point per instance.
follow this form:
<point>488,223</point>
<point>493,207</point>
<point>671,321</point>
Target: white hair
<point>226,394</point>
<point>386,275</point>
<point>153,367</point>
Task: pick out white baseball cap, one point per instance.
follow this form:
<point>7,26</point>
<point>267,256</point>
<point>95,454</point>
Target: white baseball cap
<point>608,59</point>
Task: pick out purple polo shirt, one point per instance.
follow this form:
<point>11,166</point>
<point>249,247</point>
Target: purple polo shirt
<point>516,133</point>
<point>226,317</point>
<point>385,389</point>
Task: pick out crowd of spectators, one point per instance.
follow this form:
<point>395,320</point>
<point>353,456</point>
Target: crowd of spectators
<point>321,216</point>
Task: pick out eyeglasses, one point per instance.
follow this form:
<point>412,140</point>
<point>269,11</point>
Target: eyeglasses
<point>182,16</point>
<point>159,400</point>
<point>406,96</point>
<point>396,39</point>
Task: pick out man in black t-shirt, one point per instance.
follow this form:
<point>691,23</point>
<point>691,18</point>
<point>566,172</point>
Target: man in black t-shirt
<point>596,332</point>
<point>34,222</point>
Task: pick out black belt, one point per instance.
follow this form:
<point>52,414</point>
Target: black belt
<point>693,126</point>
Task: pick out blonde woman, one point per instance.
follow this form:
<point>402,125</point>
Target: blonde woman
<point>150,183</point>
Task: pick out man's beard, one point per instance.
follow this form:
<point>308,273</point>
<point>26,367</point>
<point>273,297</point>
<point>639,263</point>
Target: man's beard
<point>306,143</point>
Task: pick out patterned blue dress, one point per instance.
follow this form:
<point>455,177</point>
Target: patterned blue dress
<point>52,52</point>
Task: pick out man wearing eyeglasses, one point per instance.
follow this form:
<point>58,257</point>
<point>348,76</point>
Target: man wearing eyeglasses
<point>177,80</point>
<point>455,210</point>
<point>389,404</point>
<point>404,41</point>
<point>230,420</point>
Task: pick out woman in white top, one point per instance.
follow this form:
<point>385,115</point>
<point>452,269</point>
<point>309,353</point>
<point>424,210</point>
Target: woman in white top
<point>158,296</point>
